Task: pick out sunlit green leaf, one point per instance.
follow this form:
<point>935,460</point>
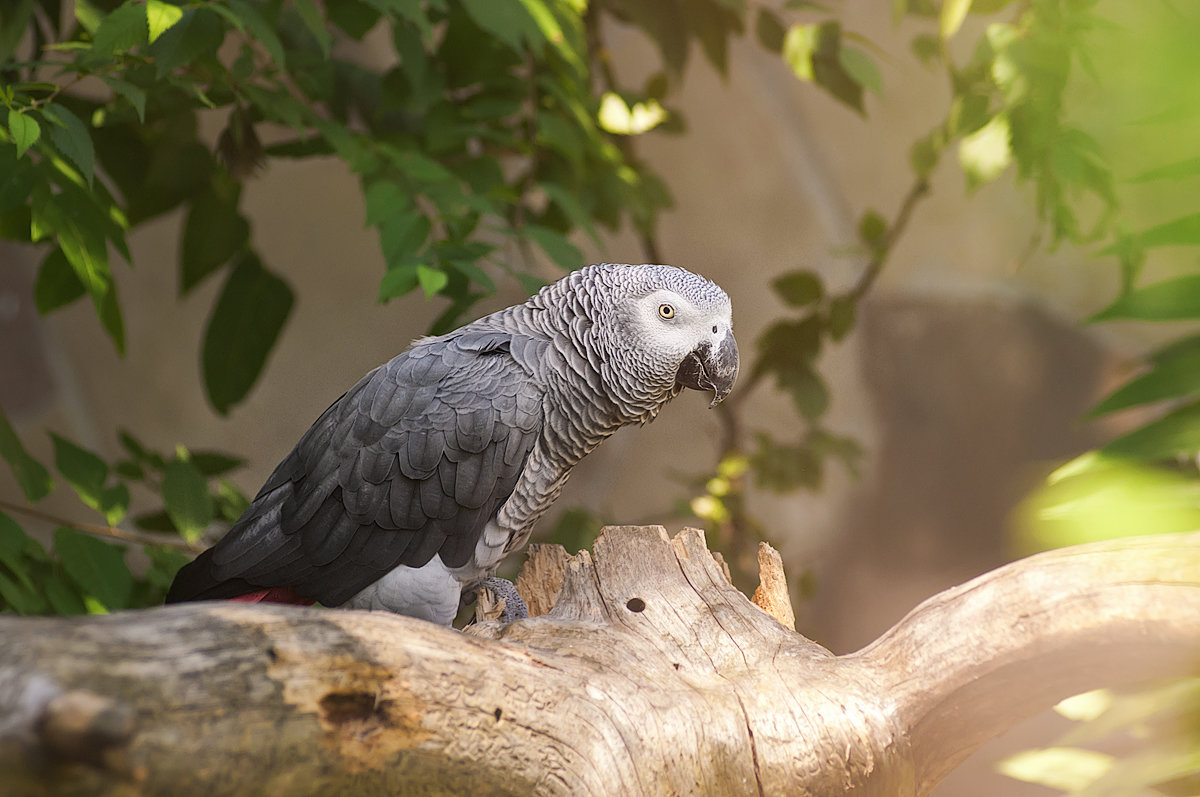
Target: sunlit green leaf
<point>185,493</point>
<point>798,46</point>
<point>96,566</point>
<point>1061,768</point>
<point>1183,231</point>
<point>616,116</point>
<point>1170,300</point>
<point>25,130</point>
<point>952,16</point>
<point>432,280</point>
<point>33,477</point>
<point>987,152</point>
<point>160,17</point>
<point>249,314</point>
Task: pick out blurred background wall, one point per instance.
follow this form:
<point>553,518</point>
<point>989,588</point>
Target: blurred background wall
<point>964,380</point>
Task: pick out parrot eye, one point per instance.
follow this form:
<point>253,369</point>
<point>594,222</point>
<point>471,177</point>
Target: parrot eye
<point>666,311</point>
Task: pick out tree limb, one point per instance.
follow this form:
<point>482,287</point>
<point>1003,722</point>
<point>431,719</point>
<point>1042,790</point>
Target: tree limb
<point>651,675</point>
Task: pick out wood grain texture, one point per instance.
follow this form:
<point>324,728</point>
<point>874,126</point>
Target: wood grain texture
<point>651,675</point>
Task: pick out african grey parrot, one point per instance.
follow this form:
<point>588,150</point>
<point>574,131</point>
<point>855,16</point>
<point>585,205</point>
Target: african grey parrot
<point>424,475</point>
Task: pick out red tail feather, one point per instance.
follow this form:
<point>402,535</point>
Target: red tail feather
<point>274,595</point>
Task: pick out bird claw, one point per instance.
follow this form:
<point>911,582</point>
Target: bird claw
<point>504,596</point>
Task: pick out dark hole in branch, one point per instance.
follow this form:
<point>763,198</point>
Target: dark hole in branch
<point>635,605</point>
<point>498,714</point>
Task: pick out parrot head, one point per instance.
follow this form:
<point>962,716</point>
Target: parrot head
<point>675,330</point>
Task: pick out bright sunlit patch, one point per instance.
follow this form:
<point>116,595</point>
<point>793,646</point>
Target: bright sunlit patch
<point>1087,706</point>
<point>1063,768</point>
<point>987,152</point>
<point>617,117</point>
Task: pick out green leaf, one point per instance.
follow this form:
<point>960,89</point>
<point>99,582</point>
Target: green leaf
<point>386,200</point>
<point>87,473</point>
<point>1175,434</point>
<point>872,229</point>
<point>185,493</point>
<point>1172,171</point>
<point>1170,300</point>
<point>160,17</point>
<point>1069,769</point>
<point>799,44</point>
<point>33,477</point>
<point>215,463</point>
<point>398,281</point>
<point>134,94</point>
<point>123,29</point>
<point>799,288</point>
<point>57,283</point>
<point>197,34</point>
<point>432,280</point>
<point>164,564</point>
<point>250,312</point>
<point>312,18</point>
<point>925,154</point>
<point>507,20</point>
<point>1182,231</point>
<point>806,389</point>
<point>769,30</point>
<point>556,245</point>
<point>987,152</point>
<point>257,27</point>
<point>71,137</point>
<point>842,312</point>
<point>1172,377</point>
<point>25,130</point>
<point>13,540</point>
<point>952,16</point>
<point>927,48</point>
<point>861,68</point>
<point>214,232</point>
<point>20,598</point>
<point>62,596</point>
<point>96,566</point>
<point>81,233</point>
<point>402,236</point>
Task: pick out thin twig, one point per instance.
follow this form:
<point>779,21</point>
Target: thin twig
<point>919,189</point>
<point>115,532</point>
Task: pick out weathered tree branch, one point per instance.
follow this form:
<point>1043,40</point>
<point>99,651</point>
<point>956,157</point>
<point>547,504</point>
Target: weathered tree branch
<point>651,675</point>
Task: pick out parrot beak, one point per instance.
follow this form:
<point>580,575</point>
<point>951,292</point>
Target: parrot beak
<point>709,368</point>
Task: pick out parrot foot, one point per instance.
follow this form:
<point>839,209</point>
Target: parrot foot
<point>502,590</point>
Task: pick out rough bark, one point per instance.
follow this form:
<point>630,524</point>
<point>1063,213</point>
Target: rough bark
<point>651,675</point>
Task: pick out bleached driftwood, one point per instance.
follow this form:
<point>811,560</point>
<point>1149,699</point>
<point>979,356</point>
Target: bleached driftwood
<point>651,675</point>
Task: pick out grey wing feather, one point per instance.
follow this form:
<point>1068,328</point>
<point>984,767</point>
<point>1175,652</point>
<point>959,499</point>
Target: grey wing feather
<point>412,461</point>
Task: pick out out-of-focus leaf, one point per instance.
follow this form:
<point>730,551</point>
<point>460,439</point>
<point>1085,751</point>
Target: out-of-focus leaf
<point>987,152</point>
<point>13,540</point>
<point>1175,434</point>
<point>398,281</point>
<point>33,477</point>
<point>1184,231</point>
<point>770,30</point>
<point>432,280</point>
<point>1171,171</point>
<point>20,598</point>
<point>1062,768</point>
<point>215,463</point>
<point>247,18</point>
<point>842,313</point>
<point>96,566</point>
<point>860,67</point>
<point>616,116</point>
<point>250,313</point>
<point>1100,497</point>
<point>952,16</point>
<point>57,283</point>
<point>164,564</point>
<point>212,234</point>
<point>799,288</point>
<point>1172,377</point>
<point>71,137</point>
<point>185,493</point>
<point>1170,300</point>
<point>555,244</point>
<point>313,19</point>
<point>62,596</point>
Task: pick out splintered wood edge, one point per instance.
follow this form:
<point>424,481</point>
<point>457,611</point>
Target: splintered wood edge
<point>541,577</point>
<point>772,593</point>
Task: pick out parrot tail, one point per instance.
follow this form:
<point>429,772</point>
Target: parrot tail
<point>274,595</point>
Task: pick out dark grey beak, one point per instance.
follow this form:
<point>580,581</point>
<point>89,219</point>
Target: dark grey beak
<point>709,368</point>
